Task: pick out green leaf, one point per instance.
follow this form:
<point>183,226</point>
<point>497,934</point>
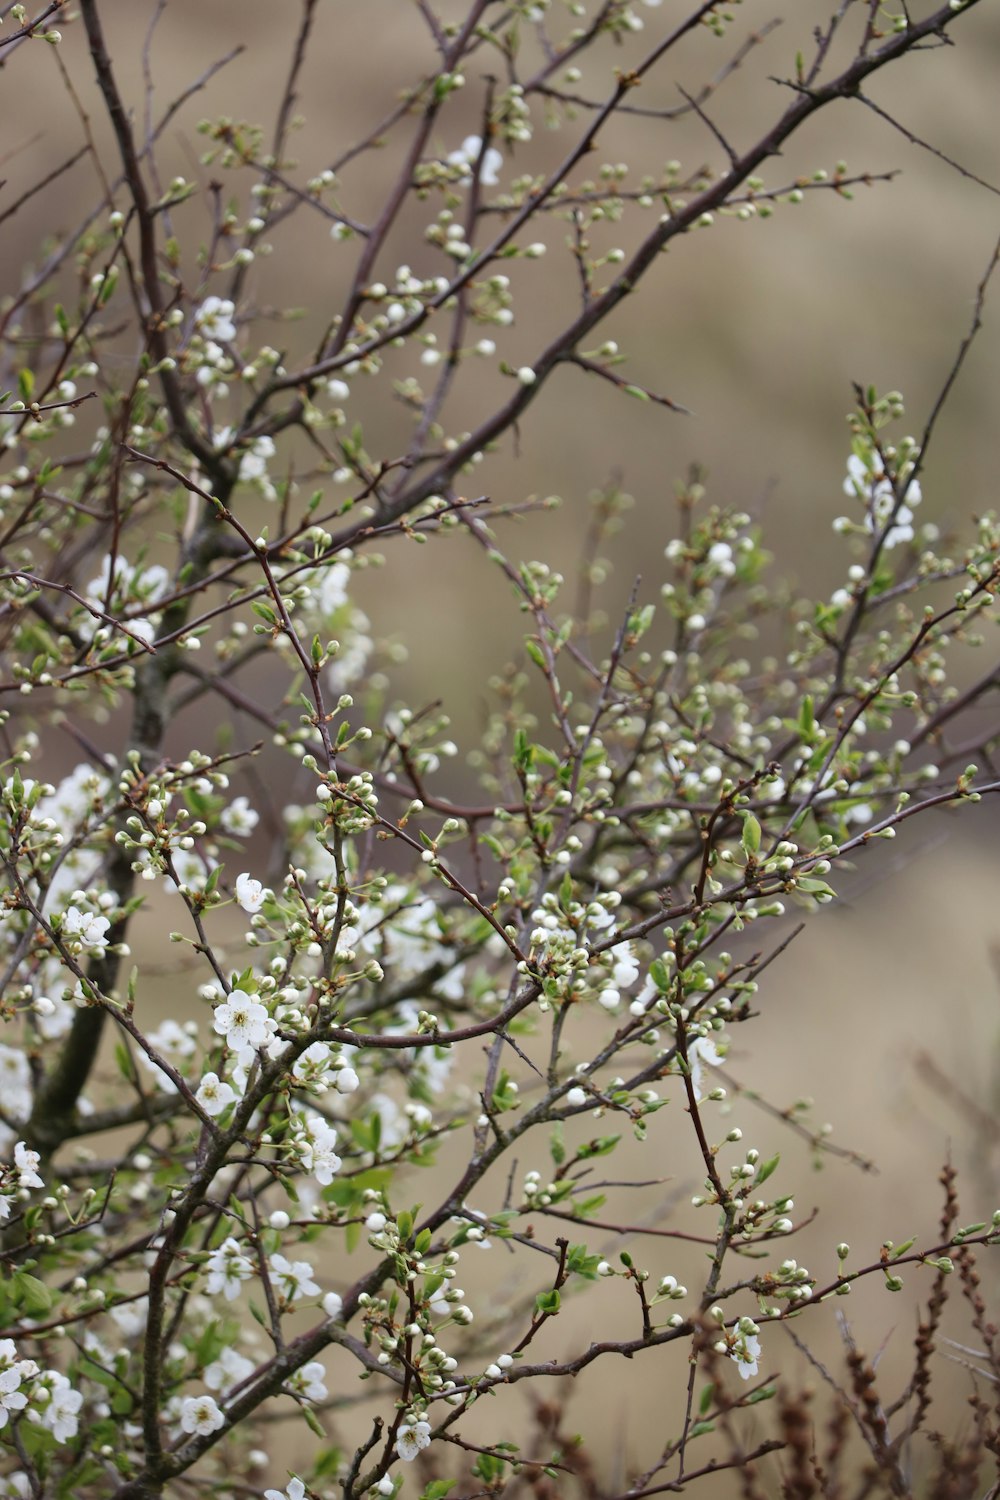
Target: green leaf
<point>312,1420</point>
<point>580,1262</point>
<point>603,1146</point>
<point>548,1302</point>
<point>706,1398</point>
<point>32,1295</point>
<point>535,651</point>
<point>750,837</point>
<point>767,1167</point>
<point>764,1394</point>
<point>660,975</point>
<point>807,718</point>
<point>438,1488</point>
<point>327,1463</point>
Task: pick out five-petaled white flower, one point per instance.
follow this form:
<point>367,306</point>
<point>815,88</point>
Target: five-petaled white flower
<point>249,893</point>
<point>61,1414</point>
<point>242,1020</point>
<point>227,1269</point>
<point>410,1438</point>
<point>201,1415</point>
<point>467,156</point>
<point>701,1051</point>
<point>228,1370</point>
<point>26,1163</point>
<point>214,1094</point>
<point>239,817</point>
<point>309,1382</point>
<point>214,319</point>
<point>90,930</point>
<point>294,1278</point>
<point>746,1354</point>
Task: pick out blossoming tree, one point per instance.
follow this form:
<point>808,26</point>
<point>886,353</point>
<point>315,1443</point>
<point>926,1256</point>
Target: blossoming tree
<point>202,1210</point>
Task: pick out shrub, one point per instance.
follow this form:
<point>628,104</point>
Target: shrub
<point>504,962</point>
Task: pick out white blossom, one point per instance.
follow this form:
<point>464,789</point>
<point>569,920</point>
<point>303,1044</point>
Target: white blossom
<point>89,929</point>
<point>746,1355</point>
<point>294,1278</point>
<point>295,1491</point>
<point>26,1163</point>
<point>249,893</point>
<point>239,817</point>
<point>626,966</point>
<point>467,156</point>
<point>701,1051</point>
<point>175,1044</point>
<point>227,1269</point>
<point>309,1381</point>
<point>243,1022</point>
<point>15,1082</point>
<point>214,319</point>
<point>317,1150</point>
<point>214,1094</point>
<point>228,1370</point>
<point>411,1438</point>
<point>869,482</point>
<point>11,1399</point>
<point>201,1415</point>
<point>61,1413</point>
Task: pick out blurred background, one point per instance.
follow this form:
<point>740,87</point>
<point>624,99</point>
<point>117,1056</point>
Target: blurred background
<point>885,1010</point>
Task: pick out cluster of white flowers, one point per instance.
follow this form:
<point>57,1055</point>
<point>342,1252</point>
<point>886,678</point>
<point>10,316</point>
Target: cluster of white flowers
<point>320,1068</point>
<point>560,939</point>
<point>253,460</point>
<point>867,481</point>
<point>176,1044</point>
<point>119,588</point>
<point>227,1269</point>
<point>314,1141</point>
<point>468,155</point>
<point>23,1175</point>
<point>55,1404</point>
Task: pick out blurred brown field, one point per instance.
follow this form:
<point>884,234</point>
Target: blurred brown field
<point>885,1009</point>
